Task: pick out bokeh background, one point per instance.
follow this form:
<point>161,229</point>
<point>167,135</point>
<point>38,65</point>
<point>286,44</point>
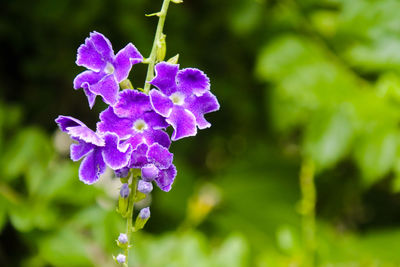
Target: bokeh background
<point>309,93</point>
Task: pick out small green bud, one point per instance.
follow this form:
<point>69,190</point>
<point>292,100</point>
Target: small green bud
<point>161,48</point>
<point>174,59</point>
<point>126,84</point>
<point>177,1</point>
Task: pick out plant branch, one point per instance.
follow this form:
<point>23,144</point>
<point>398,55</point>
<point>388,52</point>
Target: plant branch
<point>159,32</point>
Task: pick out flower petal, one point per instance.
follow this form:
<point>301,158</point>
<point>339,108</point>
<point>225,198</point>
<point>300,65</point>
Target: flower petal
<point>109,122</point>
<point>166,178</point>
<point>157,136</point>
<point>124,60</point>
<point>183,122</point>
<point>165,77</point>
<point>154,120</point>
<point>116,156</point>
<point>138,156</point>
<point>136,139</point>
<point>77,151</point>
<point>192,81</point>
<point>92,167</point>
<point>200,105</point>
<point>85,134</point>
<point>160,156</point>
<point>132,104</point>
<point>78,130</point>
<point>160,103</point>
<point>65,122</point>
<point>107,88</point>
<point>85,80</point>
<point>95,53</point>
<point>90,96</point>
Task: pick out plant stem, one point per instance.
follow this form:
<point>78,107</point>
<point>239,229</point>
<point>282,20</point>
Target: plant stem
<point>129,217</point>
<point>308,202</point>
<point>152,58</point>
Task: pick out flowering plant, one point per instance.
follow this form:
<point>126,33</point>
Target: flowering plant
<point>131,136</point>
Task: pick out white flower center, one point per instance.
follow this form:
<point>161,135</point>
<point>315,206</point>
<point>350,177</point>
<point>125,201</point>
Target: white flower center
<point>177,98</point>
<point>109,69</point>
<point>140,126</point>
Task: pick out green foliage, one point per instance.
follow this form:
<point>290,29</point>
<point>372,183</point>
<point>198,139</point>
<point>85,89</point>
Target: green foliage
<point>341,114</point>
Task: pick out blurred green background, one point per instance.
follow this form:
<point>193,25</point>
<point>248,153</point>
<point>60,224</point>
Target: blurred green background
<point>306,87</point>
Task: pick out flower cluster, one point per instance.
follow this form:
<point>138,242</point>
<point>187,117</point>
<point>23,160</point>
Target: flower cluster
<point>131,132</point>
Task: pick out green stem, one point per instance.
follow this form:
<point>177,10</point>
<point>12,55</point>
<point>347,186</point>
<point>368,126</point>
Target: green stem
<point>308,202</point>
<point>129,220</point>
<point>152,58</point>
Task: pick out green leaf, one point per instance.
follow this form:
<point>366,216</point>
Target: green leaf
<point>65,248</point>
<point>328,137</point>
<point>376,153</point>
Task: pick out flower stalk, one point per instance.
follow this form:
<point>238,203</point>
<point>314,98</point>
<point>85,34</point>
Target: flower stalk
<point>158,40</point>
<point>307,209</point>
<point>129,217</point>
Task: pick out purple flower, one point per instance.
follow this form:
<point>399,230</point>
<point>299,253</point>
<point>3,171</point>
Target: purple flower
<point>163,172</point>
<point>97,150</point>
<point>133,119</point>
<point>183,99</point>
<point>105,70</point>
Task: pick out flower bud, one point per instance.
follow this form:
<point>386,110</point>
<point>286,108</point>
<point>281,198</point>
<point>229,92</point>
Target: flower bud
<point>122,173</point>
<point>174,59</point>
<point>121,258</point>
<point>123,238</point>
<point>142,218</point>
<point>149,172</point>
<point>145,187</point>
<point>126,84</point>
<point>124,192</point>
<point>123,201</point>
<point>144,213</point>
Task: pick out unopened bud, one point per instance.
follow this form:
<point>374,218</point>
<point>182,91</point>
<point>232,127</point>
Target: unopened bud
<point>123,201</point>
<point>122,173</point>
<point>123,238</point>
<point>126,84</point>
<point>121,258</point>
<point>174,59</point>
<point>144,213</point>
<point>149,172</point>
<point>124,192</point>
<point>142,218</point>
<point>145,187</point>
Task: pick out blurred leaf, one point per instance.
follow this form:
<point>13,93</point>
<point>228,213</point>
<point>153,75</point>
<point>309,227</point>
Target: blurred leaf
<point>3,213</point>
<point>31,146</point>
<point>327,137</point>
<point>21,217</point>
<point>233,252</point>
<point>376,153</point>
<point>65,248</point>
